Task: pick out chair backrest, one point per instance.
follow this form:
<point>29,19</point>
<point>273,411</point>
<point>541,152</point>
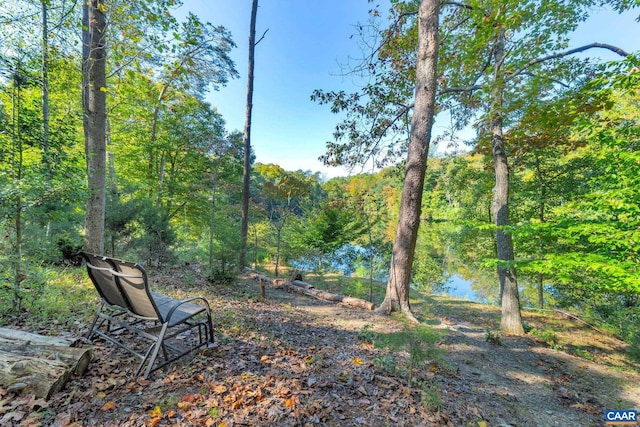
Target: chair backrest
<point>132,279</point>
<point>100,271</point>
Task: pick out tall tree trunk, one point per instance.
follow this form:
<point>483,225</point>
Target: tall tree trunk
<point>397,296</point>
<point>152,139</point>
<point>255,247</point>
<point>371,255</point>
<point>94,121</point>
<point>212,226</point>
<point>247,140</point>
<point>16,166</point>
<point>111,188</point>
<point>541,217</point>
<point>511,321</point>
<point>46,150</point>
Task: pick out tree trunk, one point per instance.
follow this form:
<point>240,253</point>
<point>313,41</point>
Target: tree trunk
<point>112,187</point>
<point>511,322</point>
<point>16,166</point>
<point>397,295</point>
<point>278,237</point>
<point>371,255</point>
<point>255,247</point>
<point>152,139</point>
<point>247,140</point>
<point>94,121</point>
<point>212,225</point>
<point>541,217</point>
<point>46,150</point>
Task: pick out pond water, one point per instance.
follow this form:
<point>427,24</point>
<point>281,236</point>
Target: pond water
<point>458,287</point>
<point>344,259</point>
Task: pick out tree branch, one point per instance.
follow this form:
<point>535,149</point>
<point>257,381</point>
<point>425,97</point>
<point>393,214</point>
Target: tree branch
<point>459,89</point>
<point>556,81</point>
<point>458,4</point>
<point>262,37</point>
<point>533,62</point>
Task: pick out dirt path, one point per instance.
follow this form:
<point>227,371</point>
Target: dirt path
<point>296,361</point>
<point>523,383</point>
<point>516,382</point>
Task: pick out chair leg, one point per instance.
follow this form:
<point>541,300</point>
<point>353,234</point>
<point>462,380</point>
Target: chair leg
<point>156,348</point>
<point>95,321</point>
<point>210,329</point>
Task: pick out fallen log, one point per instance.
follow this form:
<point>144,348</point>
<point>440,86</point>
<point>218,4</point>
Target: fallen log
<point>38,364</point>
<point>307,289</point>
<point>302,284</point>
<point>254,275</point>
<point>12,335</point>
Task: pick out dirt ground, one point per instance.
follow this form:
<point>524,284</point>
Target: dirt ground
<point>295,361</point>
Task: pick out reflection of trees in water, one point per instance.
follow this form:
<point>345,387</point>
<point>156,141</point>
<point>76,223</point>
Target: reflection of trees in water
<point>348,260</point>
<point>353,260</point>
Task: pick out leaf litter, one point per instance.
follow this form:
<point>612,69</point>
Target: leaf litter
<point>295,361</point>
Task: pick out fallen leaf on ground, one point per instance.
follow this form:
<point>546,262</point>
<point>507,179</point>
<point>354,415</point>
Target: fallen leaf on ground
<point>156,412</point>
<point>109,406</point>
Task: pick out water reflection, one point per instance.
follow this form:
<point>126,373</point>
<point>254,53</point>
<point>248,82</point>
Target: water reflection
<point>349,259</point>
<point>457,287</point>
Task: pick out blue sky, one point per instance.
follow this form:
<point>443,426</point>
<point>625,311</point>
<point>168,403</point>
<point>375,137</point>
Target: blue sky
<point>307,44</point>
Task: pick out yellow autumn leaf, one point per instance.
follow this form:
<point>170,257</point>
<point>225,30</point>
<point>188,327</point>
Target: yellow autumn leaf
<point>102,8</point>
<point>222,425</point>
<point>156,412</point>
<point>185,405</point>
<point>357,361</point>
<point>291,402</point>
<point>102,395</point>
<point>103,89</point>
<point>219,389</point>
<point>110,405</point>
<point>482,424</point>
<point>235,405</point>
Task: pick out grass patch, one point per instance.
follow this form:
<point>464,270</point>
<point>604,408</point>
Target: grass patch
<point>546,335</point>
<point>51,295</point>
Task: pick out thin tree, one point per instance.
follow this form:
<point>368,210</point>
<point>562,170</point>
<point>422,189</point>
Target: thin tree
<point>94,120</point>
<point>510,74</point>
<point>45,90</point>
<point>247,138</point>
<point>397,295</point>
<point>17,175</point>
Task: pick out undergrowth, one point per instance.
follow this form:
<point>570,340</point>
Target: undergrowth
<point>51,295</point>
<point>411,350</point>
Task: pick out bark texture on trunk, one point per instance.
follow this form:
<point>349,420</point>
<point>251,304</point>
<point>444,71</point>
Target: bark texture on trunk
<point>244,230</point>
<point>511,320</point>
<point>94,120</point>
<point>46,152</point>
<point>541,217</point>
<point>397,295</point>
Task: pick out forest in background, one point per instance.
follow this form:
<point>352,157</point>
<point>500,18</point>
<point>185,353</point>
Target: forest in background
<point>174,181</point>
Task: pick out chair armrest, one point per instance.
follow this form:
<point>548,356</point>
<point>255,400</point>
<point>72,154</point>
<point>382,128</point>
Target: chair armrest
<point>185,301</point>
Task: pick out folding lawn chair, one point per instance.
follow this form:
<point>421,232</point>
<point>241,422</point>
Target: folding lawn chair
<point>165,323</point>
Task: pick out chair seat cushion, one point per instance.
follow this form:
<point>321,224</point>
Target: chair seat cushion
<point>184,312</point>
